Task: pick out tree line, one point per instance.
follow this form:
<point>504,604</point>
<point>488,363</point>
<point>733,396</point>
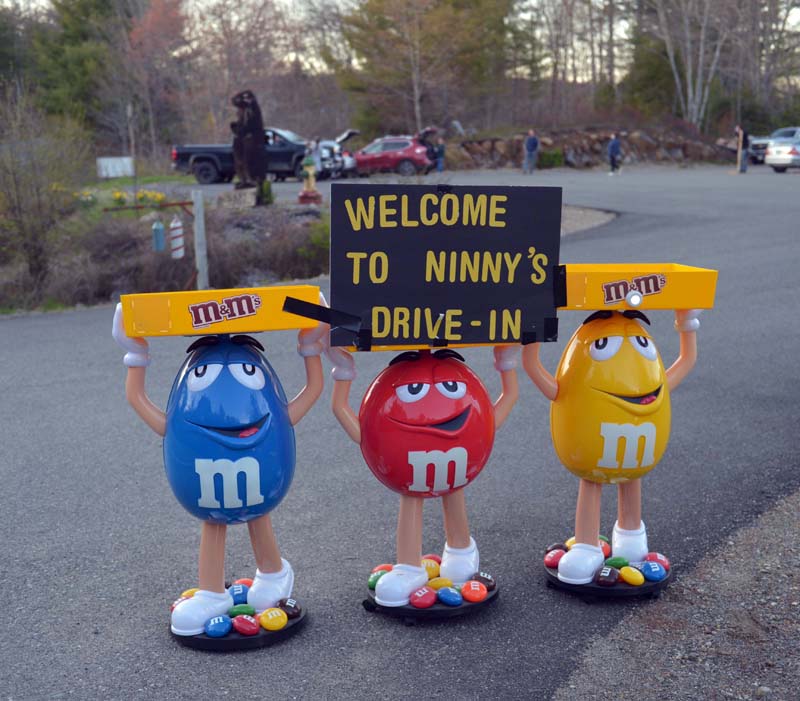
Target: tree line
<point>140,74</point>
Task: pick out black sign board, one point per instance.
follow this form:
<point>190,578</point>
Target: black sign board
<point>418,265</point>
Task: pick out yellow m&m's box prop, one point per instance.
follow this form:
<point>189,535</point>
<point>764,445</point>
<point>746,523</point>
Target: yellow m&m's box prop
<point>639,285</point>
<point>201,312</point>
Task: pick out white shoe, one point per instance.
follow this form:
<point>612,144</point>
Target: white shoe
<point>396,586</point>
<point>459,564</point>
<point>189,617</point>
<point>632,545</point>
<point>580,563</point>
<point>270,587</point>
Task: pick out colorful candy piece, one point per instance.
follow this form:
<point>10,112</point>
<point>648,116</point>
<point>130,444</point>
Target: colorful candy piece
<point>386,567</point>
<point>423,598</point>
<point>659,558</point>
<point>619,562</point>
<point>450,596</point>
<point>474,591</point>
<point>556,546</point>
<point>607,576</point>
<point>241,610</point>
<point>603,538</point>
<point>290,607</point>
<point>606,548</point>
<point>433,556</point>
<point>190,592</point>
<point>552,558</point>
<point>273,619</point>
<point>653,571</point>
<point>247,581</point>
<point>569,542</point>
<point>631,575</point>
<point>239,593</point>
<point>431,567</point>
<point>218,627</point>
<point>486,578</point>
<point>246,625</point>
<point>374,577</point>
<point>438,582</point>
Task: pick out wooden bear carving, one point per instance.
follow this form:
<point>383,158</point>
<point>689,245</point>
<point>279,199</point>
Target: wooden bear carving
<point>249,154</point>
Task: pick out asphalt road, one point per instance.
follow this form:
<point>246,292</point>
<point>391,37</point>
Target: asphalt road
<point>95,547</point>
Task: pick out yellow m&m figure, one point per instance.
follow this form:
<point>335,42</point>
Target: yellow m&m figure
<point>610,420</point>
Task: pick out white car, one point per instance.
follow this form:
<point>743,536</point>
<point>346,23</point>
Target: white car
<point>758,144</point>
<point>782,154</point>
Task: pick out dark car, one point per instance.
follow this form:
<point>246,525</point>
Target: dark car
<point>406,155</point>
<point>213,163</point>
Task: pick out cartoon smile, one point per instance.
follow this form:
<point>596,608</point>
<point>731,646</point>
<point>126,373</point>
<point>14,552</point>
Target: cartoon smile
<point>238,436</point>
<point>450,425</point>
<point>646,401</point>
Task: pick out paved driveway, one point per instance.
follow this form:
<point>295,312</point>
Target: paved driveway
<point>95,547</point>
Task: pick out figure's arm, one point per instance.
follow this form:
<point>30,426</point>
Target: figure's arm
<point>546,383</point>
<point>137,358</point>
<point>505,362</point>
<point>344,372</point>
<point>686,324</point>
<point>310,344</point>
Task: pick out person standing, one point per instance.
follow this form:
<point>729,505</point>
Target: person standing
<point>743,148</point>
<point>613,155</point>
<point>531,152</point>
<point>440,155</point>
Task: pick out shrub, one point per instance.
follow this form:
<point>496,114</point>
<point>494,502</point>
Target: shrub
<point>550,159</point>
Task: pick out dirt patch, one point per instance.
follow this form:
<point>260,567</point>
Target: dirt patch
<point>729,629</point>
<point>574,219</point>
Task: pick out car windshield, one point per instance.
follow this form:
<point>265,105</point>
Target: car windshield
<point>783,134</point>
<point>290,136</point>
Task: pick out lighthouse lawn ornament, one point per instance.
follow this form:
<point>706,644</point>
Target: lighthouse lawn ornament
<point>229,446</point>
<point>610,415</point>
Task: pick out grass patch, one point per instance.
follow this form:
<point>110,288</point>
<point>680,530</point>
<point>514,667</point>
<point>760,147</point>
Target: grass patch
<point>116,183</point>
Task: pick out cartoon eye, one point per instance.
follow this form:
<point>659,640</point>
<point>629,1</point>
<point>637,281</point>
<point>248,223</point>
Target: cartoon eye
<point>605,348</point>
<point>201,376</point>
<point>250,376</point>
<point>644,345</point>
<point>413,392</point>
<point>452,389</point>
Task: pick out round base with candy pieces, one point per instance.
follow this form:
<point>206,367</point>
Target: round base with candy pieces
<point>241,628</point>
<point>439,598</point>
<point>617,578</point>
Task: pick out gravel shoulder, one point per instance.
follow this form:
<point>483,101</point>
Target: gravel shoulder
<point>727,629</point>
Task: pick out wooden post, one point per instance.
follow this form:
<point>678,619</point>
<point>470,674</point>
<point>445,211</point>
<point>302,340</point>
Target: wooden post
<point>739,151</point>
<point>200,248</point>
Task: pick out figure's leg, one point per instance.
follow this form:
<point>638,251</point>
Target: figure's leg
<point>189,617</point>
<point>460,559</point>
<point>629,538</point>
<point>579,565</point>
<point>408,575</point>
<point>274,576</point>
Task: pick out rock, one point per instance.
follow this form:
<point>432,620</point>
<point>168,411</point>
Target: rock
<point>763,691</point>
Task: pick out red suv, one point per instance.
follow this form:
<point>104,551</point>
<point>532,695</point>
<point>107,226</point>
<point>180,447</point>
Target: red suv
<point>406,155</point>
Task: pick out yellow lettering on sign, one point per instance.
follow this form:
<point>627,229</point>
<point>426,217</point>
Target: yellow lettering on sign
<point>448,219</point>
<point>404,220</point>
<point>495,210</point>
<point>385,211</point>
<point>364,215</point>
<point>356,257</point>
<point>428,219</point>
<point>374,275</point>
<point>475,210</point>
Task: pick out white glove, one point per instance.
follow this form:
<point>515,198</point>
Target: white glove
<point>506,357</point>
<point>312,342</point>
<point>687,320</point>
<point>344,367</point>
<point>138,351</point>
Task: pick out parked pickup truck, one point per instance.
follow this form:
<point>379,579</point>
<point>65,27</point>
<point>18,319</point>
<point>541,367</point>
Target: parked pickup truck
<point>213,163</point>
